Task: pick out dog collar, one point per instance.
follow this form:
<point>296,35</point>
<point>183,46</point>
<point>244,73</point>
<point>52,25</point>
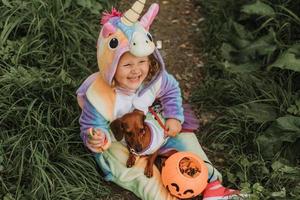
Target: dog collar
<point>133,152</point>
<point>156,117</point>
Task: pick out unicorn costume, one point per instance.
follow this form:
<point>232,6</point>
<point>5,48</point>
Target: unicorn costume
<point>101,102</point>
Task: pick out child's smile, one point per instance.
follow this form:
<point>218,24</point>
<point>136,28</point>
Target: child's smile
<point>131,71</point>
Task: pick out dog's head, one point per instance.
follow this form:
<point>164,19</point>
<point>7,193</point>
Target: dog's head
<point>132,127</point>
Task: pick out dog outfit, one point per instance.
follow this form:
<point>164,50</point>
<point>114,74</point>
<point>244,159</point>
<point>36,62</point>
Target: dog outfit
<point>158,138</point>
<point>101,102</point>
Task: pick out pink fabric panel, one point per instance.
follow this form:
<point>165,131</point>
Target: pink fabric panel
<point>108,29</point>
<point>148,18</point>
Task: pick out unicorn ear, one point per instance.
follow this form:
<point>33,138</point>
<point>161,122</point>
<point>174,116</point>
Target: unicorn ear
<point>108,29</point>
<point>149,16</point>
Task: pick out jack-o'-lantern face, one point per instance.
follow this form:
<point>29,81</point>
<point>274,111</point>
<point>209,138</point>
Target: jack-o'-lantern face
<point>174,189</point>
<point>184,175</point>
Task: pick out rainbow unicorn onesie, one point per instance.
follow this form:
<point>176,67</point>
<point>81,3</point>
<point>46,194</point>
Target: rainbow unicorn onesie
<point>98,99</point>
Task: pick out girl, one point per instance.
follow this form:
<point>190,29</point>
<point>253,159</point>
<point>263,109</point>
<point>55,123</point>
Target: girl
<point>132,75</point>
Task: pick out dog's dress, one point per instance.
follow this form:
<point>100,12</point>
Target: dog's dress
<point>101,103</point>
<point>158,138</point>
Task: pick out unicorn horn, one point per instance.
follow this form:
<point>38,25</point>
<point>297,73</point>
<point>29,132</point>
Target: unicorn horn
<point>133,14</point>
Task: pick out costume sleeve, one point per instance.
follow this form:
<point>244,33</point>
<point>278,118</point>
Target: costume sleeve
<point>90,118</point>
<point>83,88</point>
<point>170,97</point>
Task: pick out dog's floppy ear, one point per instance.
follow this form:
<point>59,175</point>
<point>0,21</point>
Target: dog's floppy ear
<point>140,112</point>
<point>117,128</point>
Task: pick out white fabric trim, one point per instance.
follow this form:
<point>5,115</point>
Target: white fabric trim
<point>157,135</point>
<point>123,104</point>
<point>143,102</point>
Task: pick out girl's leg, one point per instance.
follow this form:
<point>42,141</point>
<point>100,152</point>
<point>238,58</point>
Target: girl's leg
<point>189,142</point>
<point>113,164</point>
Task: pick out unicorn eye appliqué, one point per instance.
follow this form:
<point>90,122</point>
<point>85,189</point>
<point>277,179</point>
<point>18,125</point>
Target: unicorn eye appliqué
<point>150,37</point>
<point>113,43</point>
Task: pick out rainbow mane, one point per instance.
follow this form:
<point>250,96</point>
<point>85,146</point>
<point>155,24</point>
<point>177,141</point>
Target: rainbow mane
<point>106,16</point>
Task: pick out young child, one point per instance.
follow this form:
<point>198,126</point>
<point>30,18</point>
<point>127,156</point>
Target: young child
<point>132,75</point>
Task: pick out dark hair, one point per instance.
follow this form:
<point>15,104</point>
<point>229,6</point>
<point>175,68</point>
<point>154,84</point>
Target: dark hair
<point>154,68</point>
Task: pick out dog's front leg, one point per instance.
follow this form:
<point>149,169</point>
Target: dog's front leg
<point>149,167</point>
<point>131,160</point>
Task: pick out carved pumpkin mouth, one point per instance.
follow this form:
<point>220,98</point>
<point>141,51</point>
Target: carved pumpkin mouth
<point>176,187</point>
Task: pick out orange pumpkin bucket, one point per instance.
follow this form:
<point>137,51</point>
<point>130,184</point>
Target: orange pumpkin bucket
<point>184,175</point>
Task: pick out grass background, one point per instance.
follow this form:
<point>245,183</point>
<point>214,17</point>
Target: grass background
<point>252,90</point>
<point>47,48</point>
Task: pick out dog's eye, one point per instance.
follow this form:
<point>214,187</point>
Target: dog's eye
<point>142,131</point>
<point>129,133</point>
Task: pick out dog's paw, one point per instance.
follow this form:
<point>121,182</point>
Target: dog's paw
<point>130,163</point>
<point>148,171</point>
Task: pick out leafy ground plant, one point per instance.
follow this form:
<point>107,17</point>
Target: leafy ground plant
<point>252,90</point>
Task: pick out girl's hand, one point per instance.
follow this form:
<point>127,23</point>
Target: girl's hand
<point>96,140</point>
<point>173,127</point>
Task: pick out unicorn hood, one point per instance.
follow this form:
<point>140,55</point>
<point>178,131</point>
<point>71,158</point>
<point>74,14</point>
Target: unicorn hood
<point>120,34</point>
<point>123,33</point>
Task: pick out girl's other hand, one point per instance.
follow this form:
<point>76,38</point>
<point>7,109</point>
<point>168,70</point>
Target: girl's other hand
<point>173,127</point>
<point>96,140</point>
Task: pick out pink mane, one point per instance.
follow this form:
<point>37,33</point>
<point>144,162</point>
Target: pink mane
<point>106,16</point>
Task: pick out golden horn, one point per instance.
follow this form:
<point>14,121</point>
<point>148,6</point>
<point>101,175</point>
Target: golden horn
<point>133,14</point>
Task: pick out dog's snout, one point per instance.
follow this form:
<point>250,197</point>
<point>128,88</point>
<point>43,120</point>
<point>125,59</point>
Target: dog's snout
<point>138,148</point>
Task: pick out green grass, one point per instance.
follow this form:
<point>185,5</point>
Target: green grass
<point>245,106</point>
<point>252,90</point>
<point>47,48</point>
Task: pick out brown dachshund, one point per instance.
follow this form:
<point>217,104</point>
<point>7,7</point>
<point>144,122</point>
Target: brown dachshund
<point>137,135</point>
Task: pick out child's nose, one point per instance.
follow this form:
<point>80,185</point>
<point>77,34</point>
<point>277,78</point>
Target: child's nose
<point>135,69</point>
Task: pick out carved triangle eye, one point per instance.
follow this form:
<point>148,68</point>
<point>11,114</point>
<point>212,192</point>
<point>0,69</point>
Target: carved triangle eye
<point>176,186</point>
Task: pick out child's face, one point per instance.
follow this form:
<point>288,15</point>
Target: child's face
<point>131,71</point>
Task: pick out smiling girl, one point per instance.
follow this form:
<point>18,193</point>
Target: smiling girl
<point>132,75</point>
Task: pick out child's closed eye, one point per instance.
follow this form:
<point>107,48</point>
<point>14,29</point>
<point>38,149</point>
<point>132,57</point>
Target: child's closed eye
<point>126,65</point>
<point>142,61</point>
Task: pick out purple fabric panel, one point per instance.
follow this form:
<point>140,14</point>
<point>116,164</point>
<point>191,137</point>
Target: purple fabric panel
<point>82,98</point>
<point>170,97</point>
<point>85,85</point>
<point>191,122</point>
<point>90,118</point>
